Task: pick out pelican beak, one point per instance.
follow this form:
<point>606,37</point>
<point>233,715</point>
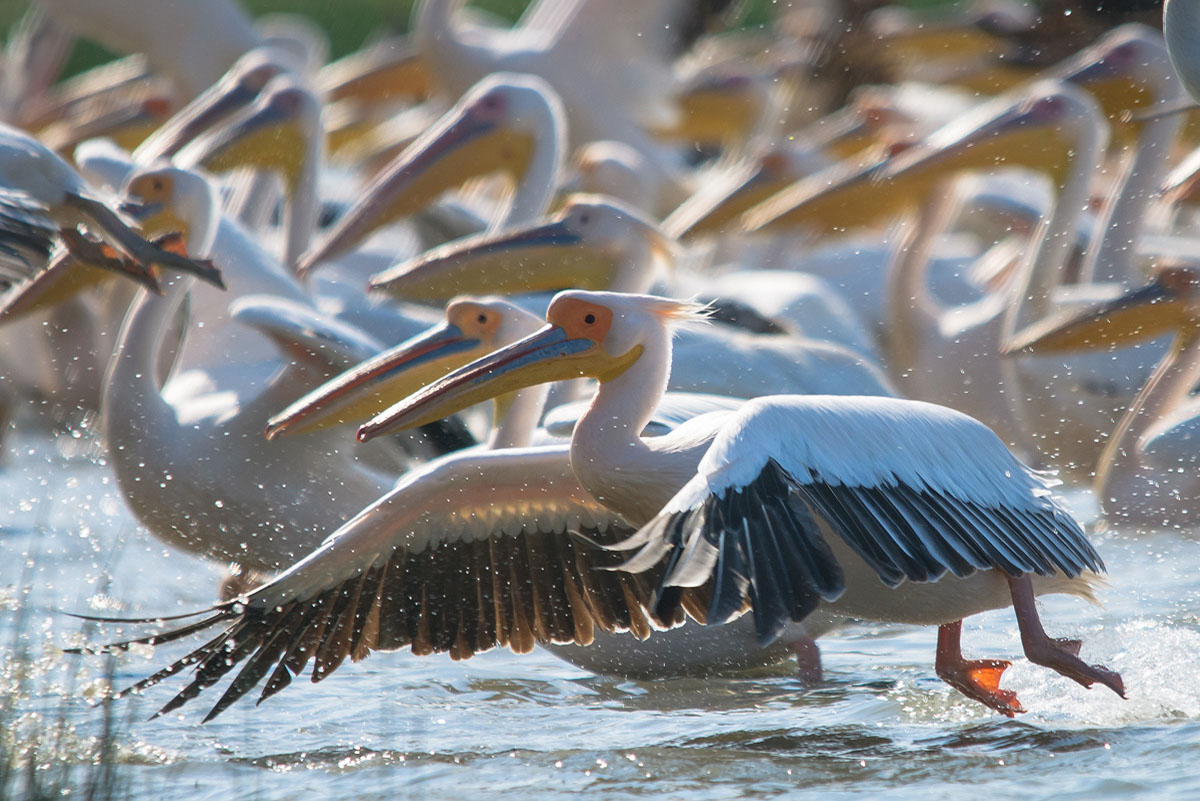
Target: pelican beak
<point>1118,86</point>
<point>387,74</point>
<point>714,112</point>
<point>532,259</point>
<point>62,279</point>
<point>378,382</point>
<point>152,219</point>
<point>874,192</point>
<point>1147,313</point>
<point>270,137</point>
<point>465,146</point>
<point>718,206</point>
<point>84,265</point>
<point>126,242</point>
<point>196,118</point>
<point>128,126</point>
<point>550,354</point>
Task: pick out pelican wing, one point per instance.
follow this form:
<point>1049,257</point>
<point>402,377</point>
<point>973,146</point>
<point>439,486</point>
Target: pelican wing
<point>914,489</point>
<point>471,553</point>
<point>26,236</point>
<point>301,331</point>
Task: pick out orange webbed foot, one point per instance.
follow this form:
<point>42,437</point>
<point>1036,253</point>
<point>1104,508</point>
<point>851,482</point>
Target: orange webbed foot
<point>979,679</point>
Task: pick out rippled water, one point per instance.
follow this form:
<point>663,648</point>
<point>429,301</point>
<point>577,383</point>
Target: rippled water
<point>397,726</point>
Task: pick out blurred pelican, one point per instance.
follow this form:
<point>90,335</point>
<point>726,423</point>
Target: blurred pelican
<point>608,62</point>
<point>597,243</point>
<point>511,123</point>
<point>1146,476</point>
<point>193,42</point>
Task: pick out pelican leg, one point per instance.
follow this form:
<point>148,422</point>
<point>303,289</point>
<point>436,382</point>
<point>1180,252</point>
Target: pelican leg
<point>1060,656</point>
<point>808,659</point>
<point>978,679</point>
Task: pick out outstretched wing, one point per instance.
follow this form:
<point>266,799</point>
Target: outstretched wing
<point>467,555</point>
<point>914,489</point>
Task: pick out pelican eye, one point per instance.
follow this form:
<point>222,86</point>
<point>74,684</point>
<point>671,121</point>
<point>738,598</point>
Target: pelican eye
<point>589,318</point>
<point>584,219</point>
<point>482,318</point>
<point>157,184</point>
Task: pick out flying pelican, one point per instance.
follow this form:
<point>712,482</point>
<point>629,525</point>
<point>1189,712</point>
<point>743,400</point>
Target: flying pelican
<point>863,503</point>
<point>475,326</point>
<point>480,543</point>
<point>1146,475</point>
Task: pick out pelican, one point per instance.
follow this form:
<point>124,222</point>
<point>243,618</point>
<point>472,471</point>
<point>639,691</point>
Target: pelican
<point>950,353</point>
<point>506,122</point>
<point>279,131</point>
<point>192,42</point>
<point>181,452</point>
<point>53,351</point>
<point>481,543</point>
<point>474,326</point>
<point>596,243</point>
<point>1146,475</point>
<point>29,167</point>
<point>864,504</point>
<point>1069,407</point>
<point>553,40</point>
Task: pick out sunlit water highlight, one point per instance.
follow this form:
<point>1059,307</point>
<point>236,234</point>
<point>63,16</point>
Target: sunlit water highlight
<point>396,726</point>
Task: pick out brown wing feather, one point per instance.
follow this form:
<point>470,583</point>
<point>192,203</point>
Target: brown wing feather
<point>458,597</point>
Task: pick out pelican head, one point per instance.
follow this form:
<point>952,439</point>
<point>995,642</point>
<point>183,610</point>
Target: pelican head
<point>592,243</point>
<point>1169,303</point>
<point>587,334</point>
<point>172,200</point>
<point>1128,69</point>
<point>719,106</point>
<point>275,132</point>
<point>496,127</point>
<point>236,88</point>
<point>473,327</point>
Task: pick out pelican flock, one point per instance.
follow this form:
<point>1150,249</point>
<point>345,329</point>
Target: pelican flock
<point>628,334</point>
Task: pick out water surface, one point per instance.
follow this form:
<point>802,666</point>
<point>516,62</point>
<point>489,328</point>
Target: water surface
<point>398,726</point>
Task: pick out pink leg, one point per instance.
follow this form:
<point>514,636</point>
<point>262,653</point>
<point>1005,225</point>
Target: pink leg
<point>808,660</point>
<point>978,679</point>
<point>1061,656</point>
